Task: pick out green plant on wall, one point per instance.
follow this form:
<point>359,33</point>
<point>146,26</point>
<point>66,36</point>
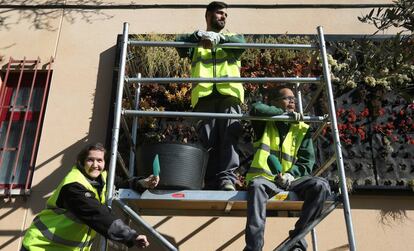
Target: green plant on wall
<point>377,64</point>
<point>400,16</point>
<point>165,62</point>
<point>395,58</point>
<point>373,67</point>
<point>387,64</point>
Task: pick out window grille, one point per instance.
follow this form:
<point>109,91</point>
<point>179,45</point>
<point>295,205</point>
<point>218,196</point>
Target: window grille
<point>24,86</point>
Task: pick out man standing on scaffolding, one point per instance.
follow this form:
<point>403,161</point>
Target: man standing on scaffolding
<point>283,161</point>
<point>219,136</point>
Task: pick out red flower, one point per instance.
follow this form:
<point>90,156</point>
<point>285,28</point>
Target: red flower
<point>352,117</point>
<point>361,133</point>
<point>353,129</point>
<point>365,113</point>
<point>340,112</point>
<point>377,128</point>
<point>348,141</point>
<point>390,125</point>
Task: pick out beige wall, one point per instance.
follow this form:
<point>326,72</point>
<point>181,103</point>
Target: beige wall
<point>82,42</point>
<point>381,224</point>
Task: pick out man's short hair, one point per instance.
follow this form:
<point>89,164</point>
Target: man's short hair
<point>83,154</point>
<point>215,5</point>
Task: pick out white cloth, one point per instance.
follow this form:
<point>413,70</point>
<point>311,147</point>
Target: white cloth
<point>284,180</point>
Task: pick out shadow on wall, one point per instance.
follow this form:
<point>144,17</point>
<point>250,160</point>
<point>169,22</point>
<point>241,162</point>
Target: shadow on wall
<point>97,130</point>
<point>43,188</point>
<point>97,133</point>
<point>41,17</point>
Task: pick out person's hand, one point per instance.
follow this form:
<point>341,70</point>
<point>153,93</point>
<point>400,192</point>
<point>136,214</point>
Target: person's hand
<point>214,37</point>
<point>208,39</point>
<point>151,181</point>
<point>141,241</point>
<point>284,180</point>
<point>296,115</point>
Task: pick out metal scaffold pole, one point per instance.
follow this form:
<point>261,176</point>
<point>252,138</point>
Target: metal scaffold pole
<point>116,125</point>
<point>147,200</point>
<point>134,129</point>
<point>335,135</point>
<point>117,116</point>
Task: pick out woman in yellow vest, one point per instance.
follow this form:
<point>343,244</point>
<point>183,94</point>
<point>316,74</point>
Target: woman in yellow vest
<point>219,136</point>
<point>283,161</point>
<point>76,210</point>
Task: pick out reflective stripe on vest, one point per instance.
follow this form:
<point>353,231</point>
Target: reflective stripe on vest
<point>206,65</point>
<point>269,144</point>
<point>67,214</point>
<point>59,229</point>
<point>49,235</point>
<point>278,154</point>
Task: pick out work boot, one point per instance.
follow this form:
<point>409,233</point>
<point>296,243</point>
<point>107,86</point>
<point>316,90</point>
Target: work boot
<point>227,186</point>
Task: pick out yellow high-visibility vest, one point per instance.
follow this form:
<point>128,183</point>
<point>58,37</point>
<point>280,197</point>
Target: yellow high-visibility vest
<point>58,229</point>
<point>269,144</point>
<point>207,63</point>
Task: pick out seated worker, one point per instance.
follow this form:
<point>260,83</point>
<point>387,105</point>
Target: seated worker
<point>283,161</point>
<point>219,136</point>
<point>76,210</point>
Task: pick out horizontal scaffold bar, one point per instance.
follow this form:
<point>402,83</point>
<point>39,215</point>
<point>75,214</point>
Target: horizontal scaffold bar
<point>224,80</point>
<point>226,45</point>
<point>219,115</point>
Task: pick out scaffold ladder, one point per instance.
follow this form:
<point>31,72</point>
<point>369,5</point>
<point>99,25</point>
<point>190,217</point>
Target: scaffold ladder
<point>226,203</point>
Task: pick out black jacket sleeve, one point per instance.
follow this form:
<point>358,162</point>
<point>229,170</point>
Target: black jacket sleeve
<point>131,183</point>
<point>82,203</point>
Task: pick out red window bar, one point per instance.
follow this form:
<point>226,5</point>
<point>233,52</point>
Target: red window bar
<point>10,110</point>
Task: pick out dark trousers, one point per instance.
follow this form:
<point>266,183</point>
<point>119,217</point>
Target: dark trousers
<point>220,137</point>
<point>313,190</point>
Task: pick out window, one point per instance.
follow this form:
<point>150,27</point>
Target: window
<point>23,96</point>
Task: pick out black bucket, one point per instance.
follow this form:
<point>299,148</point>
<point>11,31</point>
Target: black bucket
<point>183,166</point>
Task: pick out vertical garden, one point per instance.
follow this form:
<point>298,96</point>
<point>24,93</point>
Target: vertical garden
<point>373,80</point>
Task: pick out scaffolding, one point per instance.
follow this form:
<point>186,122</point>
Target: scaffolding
<point>218,203</point>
